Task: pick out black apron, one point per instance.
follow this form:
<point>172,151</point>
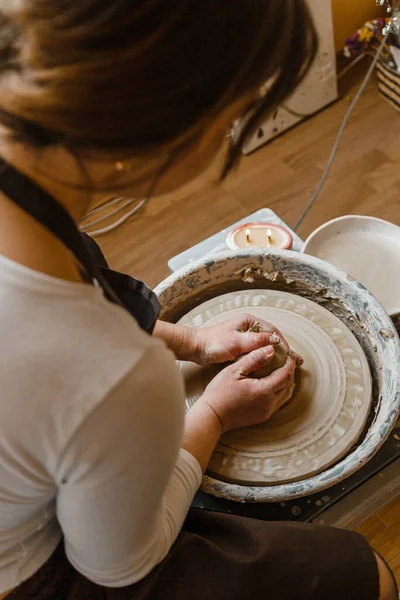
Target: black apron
<point>122,289</point>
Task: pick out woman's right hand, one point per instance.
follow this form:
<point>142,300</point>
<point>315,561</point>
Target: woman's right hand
<point>239,400</point>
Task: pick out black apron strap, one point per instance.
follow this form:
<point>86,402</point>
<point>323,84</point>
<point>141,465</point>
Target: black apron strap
<point>119,288</point>
<point>45,209</point>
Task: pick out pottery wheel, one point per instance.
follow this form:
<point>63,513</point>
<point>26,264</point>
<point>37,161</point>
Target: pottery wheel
<point>330,404</point>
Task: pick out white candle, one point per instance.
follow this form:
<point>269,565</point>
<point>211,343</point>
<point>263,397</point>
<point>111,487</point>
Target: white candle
<point>260,235</point>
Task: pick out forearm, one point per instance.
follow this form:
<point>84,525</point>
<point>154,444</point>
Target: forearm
<point>181,340</point>
<point>202,432</point>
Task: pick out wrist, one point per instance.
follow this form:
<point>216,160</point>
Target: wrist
<point>191,344</point>
<point>202,432</point>
<point>209,416</point>
<point>183,341</point>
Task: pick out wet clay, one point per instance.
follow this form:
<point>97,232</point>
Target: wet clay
<point>282,355</point>
<point>277,362</point>
<point>330,403</point>
<point>282,351</point>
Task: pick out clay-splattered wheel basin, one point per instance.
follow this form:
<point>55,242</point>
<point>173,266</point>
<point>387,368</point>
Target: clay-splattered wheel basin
<point>331,288</point>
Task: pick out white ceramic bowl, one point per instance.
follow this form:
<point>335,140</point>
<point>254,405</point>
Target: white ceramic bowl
<point>366,248</point>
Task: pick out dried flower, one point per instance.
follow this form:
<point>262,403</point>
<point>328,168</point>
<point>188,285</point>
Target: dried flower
<point>368,39</point>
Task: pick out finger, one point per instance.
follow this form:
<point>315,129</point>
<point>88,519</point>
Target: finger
<point>281,393</point>
<point>283,387</point>
<point>268,335</point>
<point>280,378</point>
<point>266,326</point>
<point>249,320</point>
<point>282,398</point>
<point>247,342</point>
<point>245,322</point>
<point>258,359</point>
<point>299,359</point>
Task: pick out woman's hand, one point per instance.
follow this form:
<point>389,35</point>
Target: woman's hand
<point>221,343</point>
<point>239,400</point>
<point>234,399</point>
<point>234,338</point>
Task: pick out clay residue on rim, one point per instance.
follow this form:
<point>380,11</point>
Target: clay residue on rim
<point>253,276</point>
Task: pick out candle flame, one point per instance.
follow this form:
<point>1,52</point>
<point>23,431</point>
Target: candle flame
<point>248,236</point>
<point>269,236</point>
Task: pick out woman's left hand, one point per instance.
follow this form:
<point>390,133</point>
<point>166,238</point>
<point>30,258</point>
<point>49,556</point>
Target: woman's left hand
<point>221,343</point>
<point>233,338</point>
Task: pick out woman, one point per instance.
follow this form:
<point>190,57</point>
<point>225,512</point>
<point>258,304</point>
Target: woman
<point>98,468</point>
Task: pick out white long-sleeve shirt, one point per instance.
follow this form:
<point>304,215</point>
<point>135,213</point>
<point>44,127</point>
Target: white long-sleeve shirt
<point>91,420</point>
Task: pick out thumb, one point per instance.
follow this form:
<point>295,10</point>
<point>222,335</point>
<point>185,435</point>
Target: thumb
<point>256,360</point>
<point>247,342</point>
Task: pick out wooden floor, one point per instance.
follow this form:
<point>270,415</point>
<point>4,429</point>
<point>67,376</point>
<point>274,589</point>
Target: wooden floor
<point>382,530</point>
<point>365,179</point>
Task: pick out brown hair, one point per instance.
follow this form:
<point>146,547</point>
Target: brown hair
<point>138,75</point>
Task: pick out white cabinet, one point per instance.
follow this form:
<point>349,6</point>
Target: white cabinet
<point>317,90</point>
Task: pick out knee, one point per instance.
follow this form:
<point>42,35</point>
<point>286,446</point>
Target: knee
<point>387,583</point>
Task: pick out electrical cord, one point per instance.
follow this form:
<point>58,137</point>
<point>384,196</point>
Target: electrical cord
<point>103,205</point>
<point>341,131</point>
<point>126,202</point>
<point>96,232</point>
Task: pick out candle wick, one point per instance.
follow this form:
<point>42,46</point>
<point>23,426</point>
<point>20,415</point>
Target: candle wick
<point>248,236</point>
<point>269,236</point>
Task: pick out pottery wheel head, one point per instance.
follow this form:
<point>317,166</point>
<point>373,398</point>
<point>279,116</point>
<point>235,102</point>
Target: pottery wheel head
<point>330,403</point>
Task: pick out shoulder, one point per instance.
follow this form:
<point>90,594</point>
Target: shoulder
<point>139,418</point>
<point>76,350</point>
<point>106,350</point>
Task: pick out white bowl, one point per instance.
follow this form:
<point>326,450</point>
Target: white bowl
<point>366,248</point>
